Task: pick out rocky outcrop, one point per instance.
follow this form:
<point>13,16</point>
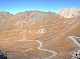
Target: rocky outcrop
<point>70,12</point>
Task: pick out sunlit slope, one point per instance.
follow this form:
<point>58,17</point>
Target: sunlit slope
<point>23,31</point>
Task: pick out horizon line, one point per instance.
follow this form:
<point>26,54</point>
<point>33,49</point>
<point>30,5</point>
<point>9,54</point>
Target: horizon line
<point>22,11</point>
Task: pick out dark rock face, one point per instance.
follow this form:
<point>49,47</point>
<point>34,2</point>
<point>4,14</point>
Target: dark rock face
<point>38,35</point>
<point>3,55</point>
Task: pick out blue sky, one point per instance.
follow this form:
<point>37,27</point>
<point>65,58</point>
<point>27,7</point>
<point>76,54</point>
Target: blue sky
<point>15,6</point>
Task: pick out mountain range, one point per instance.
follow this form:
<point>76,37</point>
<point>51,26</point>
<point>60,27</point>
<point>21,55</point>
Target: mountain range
<point>20,34</point>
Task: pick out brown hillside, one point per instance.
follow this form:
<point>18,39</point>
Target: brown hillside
<point>19,33</point>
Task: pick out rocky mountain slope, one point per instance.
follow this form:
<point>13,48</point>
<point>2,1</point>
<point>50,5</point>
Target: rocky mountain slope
<point>70,12</point>
<point>38,35</point>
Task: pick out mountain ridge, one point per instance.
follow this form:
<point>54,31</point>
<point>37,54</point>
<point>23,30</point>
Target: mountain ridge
<point>35,34</point>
